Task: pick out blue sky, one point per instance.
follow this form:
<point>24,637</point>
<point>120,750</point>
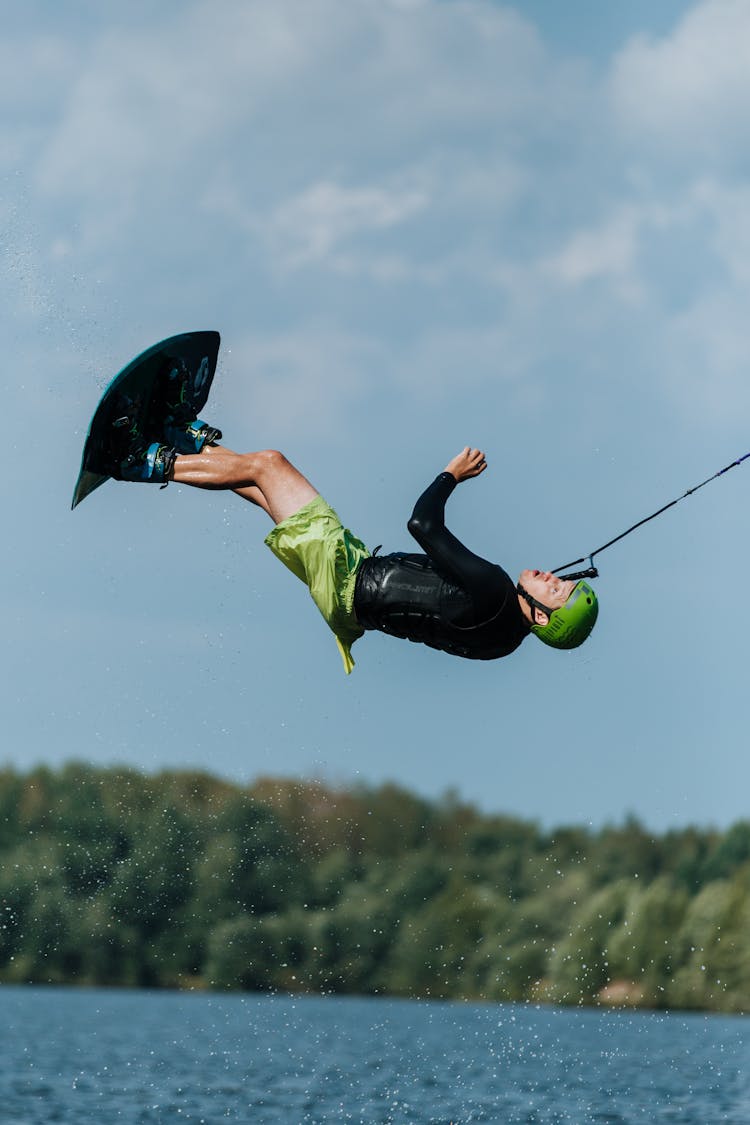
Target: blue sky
<point>418,224</point>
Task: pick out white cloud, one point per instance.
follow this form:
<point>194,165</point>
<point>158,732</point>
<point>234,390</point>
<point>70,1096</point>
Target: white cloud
<point>727,207</point>
<point>362,164</point>
<point>311,226</point>
<point>608,250</point>
<point>291,94</point>
<point>706,358</point>
<point>689,91</point>
<point>285,384</point>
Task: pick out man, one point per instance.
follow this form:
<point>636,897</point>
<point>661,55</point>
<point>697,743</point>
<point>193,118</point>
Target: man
<point>446,597</point>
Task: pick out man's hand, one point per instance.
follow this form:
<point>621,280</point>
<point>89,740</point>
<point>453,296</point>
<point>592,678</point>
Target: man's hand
<point>468,463</point>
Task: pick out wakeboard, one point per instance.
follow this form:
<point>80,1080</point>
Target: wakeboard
<point>140,392</point>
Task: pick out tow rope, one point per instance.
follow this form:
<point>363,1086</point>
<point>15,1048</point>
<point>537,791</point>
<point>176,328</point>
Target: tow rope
<point>592,572</point>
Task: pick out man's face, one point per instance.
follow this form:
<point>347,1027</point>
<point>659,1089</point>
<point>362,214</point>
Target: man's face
<point>546,588</point>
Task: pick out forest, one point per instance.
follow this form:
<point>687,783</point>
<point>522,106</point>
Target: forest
<point>183,880</point>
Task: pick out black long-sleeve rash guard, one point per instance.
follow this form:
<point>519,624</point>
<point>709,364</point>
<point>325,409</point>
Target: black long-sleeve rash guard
<point>448,597</point>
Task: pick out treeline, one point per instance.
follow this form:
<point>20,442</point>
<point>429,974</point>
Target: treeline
<point>112,877</point>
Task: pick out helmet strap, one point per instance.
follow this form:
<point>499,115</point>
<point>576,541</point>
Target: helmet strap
<point>534,604</point>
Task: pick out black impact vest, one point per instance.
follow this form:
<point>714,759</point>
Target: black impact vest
<point>404,595</point>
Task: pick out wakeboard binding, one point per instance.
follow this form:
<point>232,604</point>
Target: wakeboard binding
<point>177,391</point>
<point>126,454</point>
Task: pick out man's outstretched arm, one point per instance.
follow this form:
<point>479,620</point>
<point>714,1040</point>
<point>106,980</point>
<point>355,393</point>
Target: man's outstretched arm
<point>427,524</point>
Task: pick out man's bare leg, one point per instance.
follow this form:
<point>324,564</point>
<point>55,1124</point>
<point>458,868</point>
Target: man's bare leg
<point>254,495</point>
<point>265,478</point>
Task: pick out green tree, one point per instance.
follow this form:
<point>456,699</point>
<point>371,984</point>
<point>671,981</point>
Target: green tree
<point>627,851</point>
<point>579,964</point>
<point>238,955</point>
<point>730,851</point>
<point>111,953</point>
<point>644,947</point>
<point>429,954</point>
<point>28,873</point>
<point>712,941</point>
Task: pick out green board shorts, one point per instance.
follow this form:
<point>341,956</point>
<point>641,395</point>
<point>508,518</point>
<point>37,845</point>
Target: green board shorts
<point>324,555</point>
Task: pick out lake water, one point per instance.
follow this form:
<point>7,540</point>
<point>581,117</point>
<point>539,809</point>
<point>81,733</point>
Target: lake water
<point>78,1056</point>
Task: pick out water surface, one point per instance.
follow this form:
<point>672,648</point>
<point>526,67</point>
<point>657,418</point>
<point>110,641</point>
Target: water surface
<point>146,1058</point>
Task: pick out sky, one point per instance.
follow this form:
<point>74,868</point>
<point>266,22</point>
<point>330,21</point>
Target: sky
<point>417,225</point>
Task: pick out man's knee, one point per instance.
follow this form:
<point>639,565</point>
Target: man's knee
<point>272,461</point>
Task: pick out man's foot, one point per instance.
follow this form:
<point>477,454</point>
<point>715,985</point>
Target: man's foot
<point>189,437</point>
<point>127,455</point>
<point>179,390</point>
<point>147,462</point>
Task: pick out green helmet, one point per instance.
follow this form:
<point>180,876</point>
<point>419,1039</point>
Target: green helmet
<point>570,625</point>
